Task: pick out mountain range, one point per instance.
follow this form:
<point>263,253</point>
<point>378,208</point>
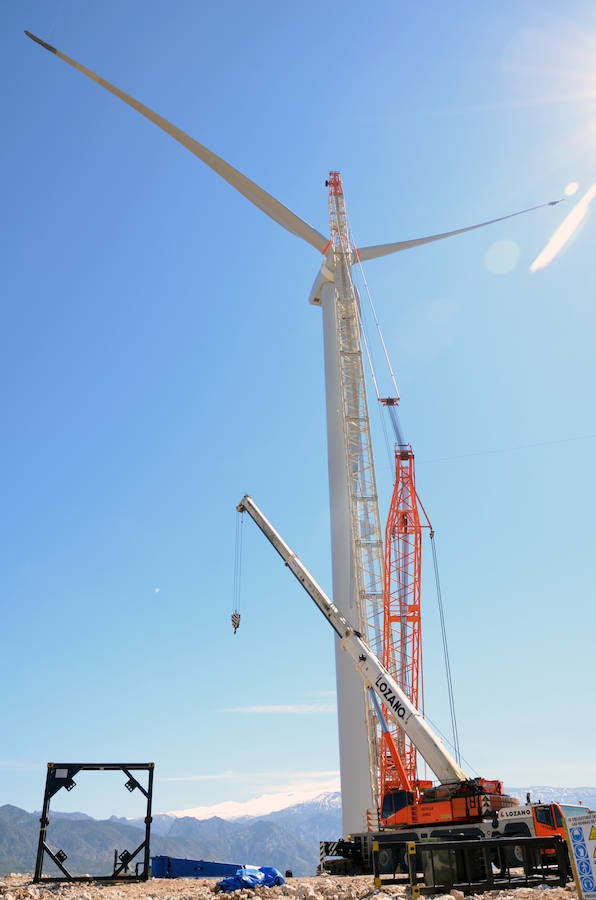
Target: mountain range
<point>287,838</point>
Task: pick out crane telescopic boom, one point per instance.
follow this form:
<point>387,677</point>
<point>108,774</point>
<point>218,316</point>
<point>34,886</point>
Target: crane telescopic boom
<point>371,670</point>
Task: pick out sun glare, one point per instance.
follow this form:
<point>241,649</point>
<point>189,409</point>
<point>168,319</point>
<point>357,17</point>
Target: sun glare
<point>553,64</point>
<point>565,231</point>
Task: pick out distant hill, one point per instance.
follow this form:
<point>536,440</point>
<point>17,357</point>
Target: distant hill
<point>287,839</point>
<point>89,843</point>
<point>583,796</point>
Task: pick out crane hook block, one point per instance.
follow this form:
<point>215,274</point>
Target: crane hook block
<point>235,621</point>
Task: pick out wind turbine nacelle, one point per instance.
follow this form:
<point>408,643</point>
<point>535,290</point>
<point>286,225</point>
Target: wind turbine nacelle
<point>324,276</point>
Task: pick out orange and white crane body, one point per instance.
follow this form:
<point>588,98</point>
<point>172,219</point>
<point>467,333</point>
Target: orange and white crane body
<point>473,805</point>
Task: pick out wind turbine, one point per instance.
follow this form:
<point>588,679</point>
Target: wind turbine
<point>357,547</point>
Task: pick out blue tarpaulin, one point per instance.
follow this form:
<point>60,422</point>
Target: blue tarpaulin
<point>250,877</point>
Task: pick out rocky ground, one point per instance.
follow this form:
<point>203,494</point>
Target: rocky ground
<point>21,887</point>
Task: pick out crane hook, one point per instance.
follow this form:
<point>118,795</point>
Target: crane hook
<point>237,571</point>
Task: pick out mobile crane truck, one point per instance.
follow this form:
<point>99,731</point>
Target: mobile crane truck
<point>457,807</point>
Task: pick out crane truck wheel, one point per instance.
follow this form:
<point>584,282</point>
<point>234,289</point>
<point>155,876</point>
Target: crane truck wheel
<point>516,857</point>
<point>403,860</point>
<point>387,861</point>
<point>515,853</point>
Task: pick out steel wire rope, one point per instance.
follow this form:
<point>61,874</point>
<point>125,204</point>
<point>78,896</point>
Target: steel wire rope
<point>463,761</point>
<point>363,331</point>
<point>378,327</point>
<point>382,418</point>
<point>513,449</point>
<point>237,571</point>
<point>445,650</point>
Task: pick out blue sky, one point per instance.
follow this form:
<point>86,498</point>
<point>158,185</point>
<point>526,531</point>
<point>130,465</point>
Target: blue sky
<point>160,360</point>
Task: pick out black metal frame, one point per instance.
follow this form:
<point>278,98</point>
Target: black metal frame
<point>477,866</point>
<point>61,775</point>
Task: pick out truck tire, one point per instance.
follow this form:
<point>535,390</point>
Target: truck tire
<point>387,861</point>
<point>515,857</point>
<point>518,856</point>
<point>402,858</point>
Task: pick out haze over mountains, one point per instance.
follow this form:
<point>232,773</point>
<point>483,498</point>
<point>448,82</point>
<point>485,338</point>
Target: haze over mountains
<point>268,803</point>
<point>285,836</point>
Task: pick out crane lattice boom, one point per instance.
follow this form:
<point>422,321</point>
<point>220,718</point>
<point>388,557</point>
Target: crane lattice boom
<point>367,545</point>
<point>401,620</point>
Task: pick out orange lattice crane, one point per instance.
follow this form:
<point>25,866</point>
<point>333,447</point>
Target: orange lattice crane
<point>402,650</point>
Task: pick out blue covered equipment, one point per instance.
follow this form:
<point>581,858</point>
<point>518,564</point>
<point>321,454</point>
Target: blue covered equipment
<point>251,877</point>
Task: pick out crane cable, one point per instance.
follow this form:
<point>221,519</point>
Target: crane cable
<point>386,437</point>
<point>392,409</point>
<point>396,395</point>
<point>237,572</point>
<point>377,324</point>
<point>445,651</point>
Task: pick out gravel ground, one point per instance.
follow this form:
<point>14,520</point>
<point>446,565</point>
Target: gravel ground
<point>21,887</point>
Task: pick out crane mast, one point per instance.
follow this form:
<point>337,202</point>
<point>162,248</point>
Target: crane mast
<point>402,651</point>
<point>364,522</point>
<point>387,578</point>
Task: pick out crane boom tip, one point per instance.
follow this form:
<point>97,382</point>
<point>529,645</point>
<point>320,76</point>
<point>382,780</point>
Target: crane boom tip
<point>39,41</point>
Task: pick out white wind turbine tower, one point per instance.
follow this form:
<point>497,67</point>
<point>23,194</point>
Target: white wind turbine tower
<point>357,547</point>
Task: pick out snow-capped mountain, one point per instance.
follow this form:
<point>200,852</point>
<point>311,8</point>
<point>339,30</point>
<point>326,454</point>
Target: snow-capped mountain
<point>233,810</point>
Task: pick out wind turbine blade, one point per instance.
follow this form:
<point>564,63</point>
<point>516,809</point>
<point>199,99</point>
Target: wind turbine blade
<point>265,202</point>
<point>365,253</point>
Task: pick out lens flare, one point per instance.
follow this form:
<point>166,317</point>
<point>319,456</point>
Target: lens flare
<point>565,231</point>
<point>502,257</point>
